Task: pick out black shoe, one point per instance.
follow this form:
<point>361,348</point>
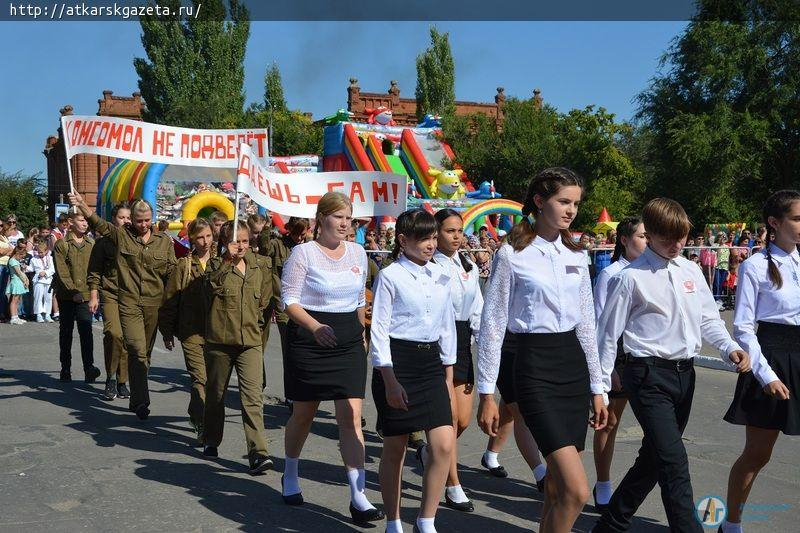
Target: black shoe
<point>601,507</point>
<point>111,389</point>
<point>292,499</point>
<point>290,405</point>
<point>497,471</point>
<point>122,391</point>
<point>541,484</point>
<point>65,376</point>
<point>466,506</point>
<point>363,518</point>
<point>92,374</point>
<point>419,456</point>
<point>416,529</point>
<point>260,464</point>
<point>198,430</point>
<point>416,444</point>
<point>363,422</point>
<point>142,411</point>
<point>210,451</point>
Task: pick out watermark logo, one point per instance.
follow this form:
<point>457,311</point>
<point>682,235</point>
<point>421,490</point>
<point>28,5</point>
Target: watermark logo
<point>711,511</point>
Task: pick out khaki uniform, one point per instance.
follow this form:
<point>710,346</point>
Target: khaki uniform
<point>235,306</point>
<point>183,316</point>
<point>71,261</point>
<point>103,277</point>
<point>143,268</point>
<point>278,249</point>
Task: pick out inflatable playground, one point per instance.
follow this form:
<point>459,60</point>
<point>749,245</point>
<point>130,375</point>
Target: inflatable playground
<point>180,194</point>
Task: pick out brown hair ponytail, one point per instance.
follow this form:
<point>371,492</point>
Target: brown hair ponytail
<point>776,206</point>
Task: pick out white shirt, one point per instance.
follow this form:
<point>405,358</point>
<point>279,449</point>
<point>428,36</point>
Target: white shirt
<point>318,283</point>
<point>43,264</point>
<point>465,292</point>
<point>412,302</point>
<point>544,288</point>
<point>601,284</point>
<point>757,299</point>
<point>662,308</point>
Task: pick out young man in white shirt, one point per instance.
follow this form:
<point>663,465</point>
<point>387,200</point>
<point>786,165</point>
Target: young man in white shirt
<point>663,309</point>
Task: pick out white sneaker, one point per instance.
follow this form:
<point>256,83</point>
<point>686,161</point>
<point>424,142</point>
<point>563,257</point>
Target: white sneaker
<point>39,319</point>
<point>48,319</point>
<point>17,321</point>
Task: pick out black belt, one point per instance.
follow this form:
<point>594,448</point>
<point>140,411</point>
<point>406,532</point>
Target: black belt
<point>680,365</point>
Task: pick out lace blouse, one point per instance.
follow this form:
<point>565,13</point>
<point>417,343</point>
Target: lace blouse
<point>536,291</point>
<point>318,283</point>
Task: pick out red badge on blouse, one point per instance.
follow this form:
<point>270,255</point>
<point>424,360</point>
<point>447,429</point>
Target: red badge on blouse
<point>464,276</point>
<point>688,286</point>
<point>355,270</point>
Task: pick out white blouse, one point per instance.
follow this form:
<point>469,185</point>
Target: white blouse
<point>601,284</point>
<point>318,283</point>
<point>544,288</point>
<point>412,302</point>
<point>465,292</point>
<point>43,264</point>
<point>757,299</point>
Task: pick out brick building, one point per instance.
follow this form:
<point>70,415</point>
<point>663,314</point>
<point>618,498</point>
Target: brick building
<point>87,169</point>
<point>404,110</point>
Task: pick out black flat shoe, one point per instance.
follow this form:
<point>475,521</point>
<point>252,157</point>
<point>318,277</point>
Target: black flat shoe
<point>541,484</point>
<point>210,451</point>
<point>259,465</point>
<point>465,507</point>
<point>497,471</point>
<point>416,444</point>
<point>91,374</point>
<point>142,412</point>
<point>363,518</point>
<point>418,453</point>
<point>292,499</point>
<point>64,376</point>
<point>601,507</point>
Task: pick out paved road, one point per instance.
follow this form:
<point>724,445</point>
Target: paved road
<point>70,461</point>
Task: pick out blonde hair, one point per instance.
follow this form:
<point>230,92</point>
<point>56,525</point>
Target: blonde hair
<point>195,227</point>
<point>666,218</point>
<point>141,206</point>
<point>330,203</point>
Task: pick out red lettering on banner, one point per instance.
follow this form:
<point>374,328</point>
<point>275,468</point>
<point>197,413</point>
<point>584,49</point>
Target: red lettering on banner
<point>230,146</point>
<point>291,198</point>
<point>379,191</point>
<point>219,147</point>
<point>115,136</point>
<point>313,200</point>
<point>159,141</point>
<point>356,189</point>
<point>244,166</point>
<point>260,181</point>
<point>274,191</point>
<point>90,140</point>
<point>260,137</point>
<point>86,128</point>
<point>102,136</point>
<point>394,192</point>
<point>333,185</point>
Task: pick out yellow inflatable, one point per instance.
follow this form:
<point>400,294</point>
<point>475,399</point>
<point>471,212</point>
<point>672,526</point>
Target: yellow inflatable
<point>447,184</point>
<point>204,199</point>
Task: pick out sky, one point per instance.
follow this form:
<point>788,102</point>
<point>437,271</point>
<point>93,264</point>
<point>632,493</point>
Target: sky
<point>44,66</point>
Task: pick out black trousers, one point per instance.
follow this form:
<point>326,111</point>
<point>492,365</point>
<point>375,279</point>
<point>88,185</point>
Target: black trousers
<point>661,399</point>
<point>71,312</point>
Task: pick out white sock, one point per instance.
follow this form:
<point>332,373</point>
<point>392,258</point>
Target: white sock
<point>456,493</point>
<point>730,527</point>
<point>490,458</point>
<point>603,491</point>
<point>14,317</point>
<point>291,483</point>
<point>355,478</point>
<point>394,526</point>
<point>425,525</point>
<point>539,472</point>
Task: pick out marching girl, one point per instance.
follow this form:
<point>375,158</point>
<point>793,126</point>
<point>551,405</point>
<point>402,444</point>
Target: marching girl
<point>322,290</point>
<point>413,349</point>
<point>182,315</point>
<point>631,242</point>
<point>467,301</point>
<point>540,290</point>
<point>236,289</point>
<point>766,399</point>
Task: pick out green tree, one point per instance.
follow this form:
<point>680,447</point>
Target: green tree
<point>435,92</point>
<point>194,72</point>
<point>293,132</point>
<point>273,89</point>
<point>722,116</point>
<point>24,196</point>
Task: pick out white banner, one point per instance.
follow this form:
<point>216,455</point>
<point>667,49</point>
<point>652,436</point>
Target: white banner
<point>296,195</point>
<point>154,143</point>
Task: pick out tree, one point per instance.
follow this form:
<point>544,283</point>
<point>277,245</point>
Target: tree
<point>722,116</point>
<point>194,74</point>
<point>436,93</point>
<point>24,196</point>
<point>273,89</point>
<point>293,132</point>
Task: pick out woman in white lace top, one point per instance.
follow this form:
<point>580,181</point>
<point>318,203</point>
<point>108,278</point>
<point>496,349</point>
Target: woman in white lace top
<point>322,290</point>
<point>540,290</point>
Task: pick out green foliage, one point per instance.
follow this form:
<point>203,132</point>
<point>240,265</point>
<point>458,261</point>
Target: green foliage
<point>589,141</point>
<point>273,89</point>
<point>24,196</point>
<point>293,133</point>
<point>435,90</point>
<point>722,118</point>
<point>194,72</point>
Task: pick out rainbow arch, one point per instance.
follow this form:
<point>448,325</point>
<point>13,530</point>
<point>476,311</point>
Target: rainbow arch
<point>501,206</point>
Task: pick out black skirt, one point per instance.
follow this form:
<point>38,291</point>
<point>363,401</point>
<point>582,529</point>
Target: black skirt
<point>316,373</point>
<point>551,383</point>
<point>751,406</point>
<point>419,370</point>
<point>463,370</point>
<point>505,376</point>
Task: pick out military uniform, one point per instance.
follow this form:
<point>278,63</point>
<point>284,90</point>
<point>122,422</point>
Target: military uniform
<point>183,315</point>
<point>71,261</point>
<point>235,304</point>
<point>143,268</point>
<point>103,277</point>
<point>278,249</point>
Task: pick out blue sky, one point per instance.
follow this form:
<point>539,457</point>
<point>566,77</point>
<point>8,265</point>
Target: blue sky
<point>48,65</point>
